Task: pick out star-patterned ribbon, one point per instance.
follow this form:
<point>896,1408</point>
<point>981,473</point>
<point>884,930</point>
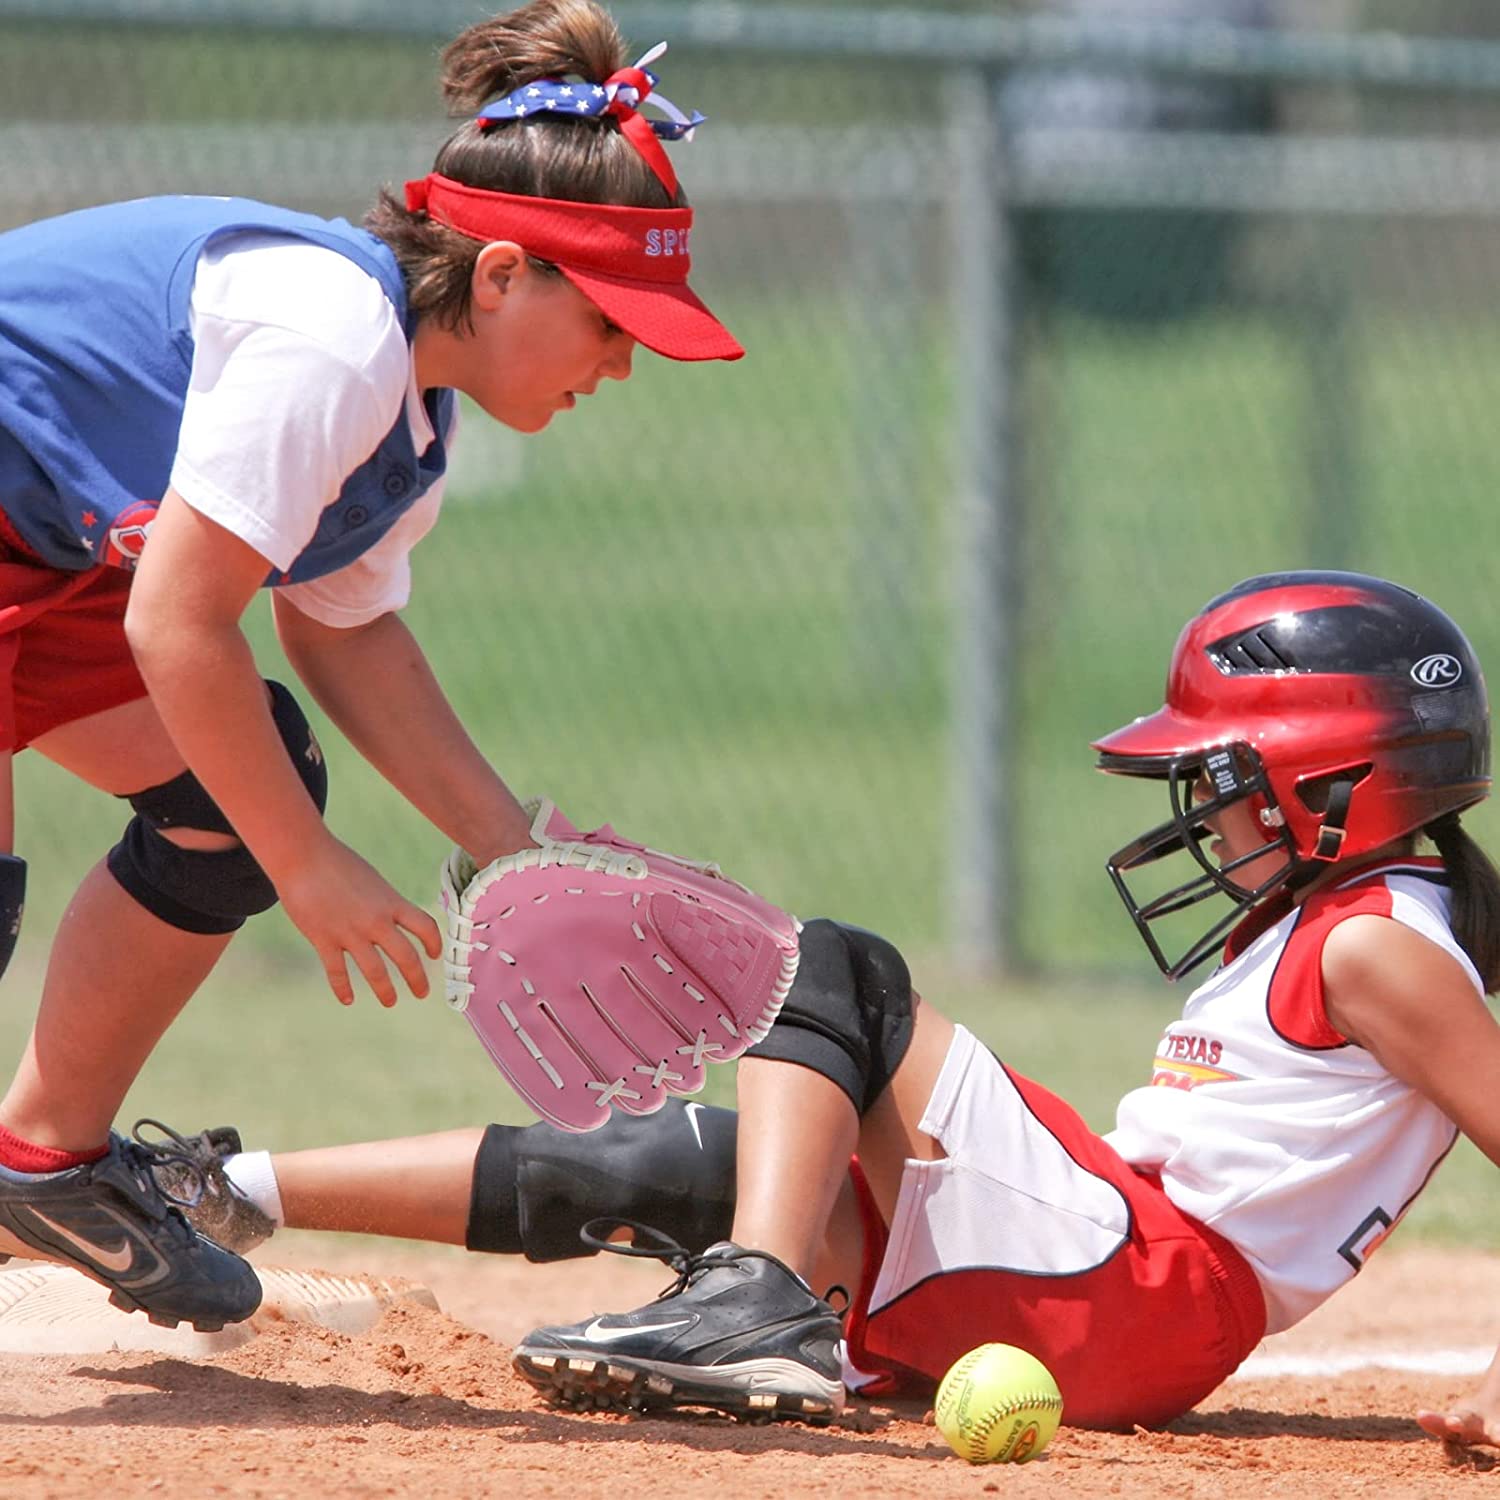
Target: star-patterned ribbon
<point>620,95</point>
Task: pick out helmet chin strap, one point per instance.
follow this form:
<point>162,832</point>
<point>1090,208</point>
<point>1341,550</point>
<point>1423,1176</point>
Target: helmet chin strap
<point>1330,841</point>
<point>1332,830</point>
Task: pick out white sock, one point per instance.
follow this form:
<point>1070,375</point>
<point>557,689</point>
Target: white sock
<point>252,1173</point>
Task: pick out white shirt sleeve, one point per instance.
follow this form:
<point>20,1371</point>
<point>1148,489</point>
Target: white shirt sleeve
<point>300,368</point>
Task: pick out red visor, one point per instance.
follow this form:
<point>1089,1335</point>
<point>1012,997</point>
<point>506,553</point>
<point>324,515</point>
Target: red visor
<point>631,263</point>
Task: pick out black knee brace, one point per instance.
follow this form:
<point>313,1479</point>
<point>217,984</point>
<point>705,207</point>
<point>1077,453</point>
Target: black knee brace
<point>849,1013</point>
<point>197,890</point>
<point>12,904</point>
<point>536,1186</point>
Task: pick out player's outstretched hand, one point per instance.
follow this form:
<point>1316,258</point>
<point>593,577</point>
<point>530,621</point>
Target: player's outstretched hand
<point>343,906</point>
<point>1471,1421</point>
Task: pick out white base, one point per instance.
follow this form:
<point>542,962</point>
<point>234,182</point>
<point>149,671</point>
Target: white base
<point>51,1309</point>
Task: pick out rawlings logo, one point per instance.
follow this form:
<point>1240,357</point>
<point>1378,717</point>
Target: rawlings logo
<point>126,538</point>
<point>1438,670</point>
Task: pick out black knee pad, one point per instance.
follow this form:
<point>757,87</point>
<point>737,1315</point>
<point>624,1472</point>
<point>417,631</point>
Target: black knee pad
<point>196,890</point>
<point>536,1186</point>
<point>849,1013</point>
<point>12,904</point>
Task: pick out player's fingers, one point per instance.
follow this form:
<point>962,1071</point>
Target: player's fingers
<point>338,975</point>
<point>402,952</point>
<point>1459,1426</point>
<point>372,966</point>
<point>1434,1423</point>
<point>422,927</point>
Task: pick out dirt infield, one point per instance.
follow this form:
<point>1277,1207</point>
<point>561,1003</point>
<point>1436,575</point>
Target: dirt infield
<point>426,1405</point>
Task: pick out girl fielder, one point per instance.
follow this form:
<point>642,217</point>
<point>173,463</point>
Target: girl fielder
<point>203,397</point>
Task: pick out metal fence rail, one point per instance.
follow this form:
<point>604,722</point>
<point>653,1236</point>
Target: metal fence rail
<point>927,36</point>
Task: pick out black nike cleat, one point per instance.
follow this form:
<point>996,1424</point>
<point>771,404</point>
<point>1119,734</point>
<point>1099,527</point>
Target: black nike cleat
<point>110,1220</point>
<point>739,1331</point>
<point>189,1169</point>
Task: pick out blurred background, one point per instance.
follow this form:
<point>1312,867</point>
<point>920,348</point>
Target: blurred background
<point>1061,317</point>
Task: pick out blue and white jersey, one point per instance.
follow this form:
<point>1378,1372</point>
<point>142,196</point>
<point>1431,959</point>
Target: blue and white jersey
<point>96,354</point>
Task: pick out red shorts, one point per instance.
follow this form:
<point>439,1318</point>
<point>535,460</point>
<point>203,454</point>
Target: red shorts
<point>1033,1231</point>
<point>63,653</point>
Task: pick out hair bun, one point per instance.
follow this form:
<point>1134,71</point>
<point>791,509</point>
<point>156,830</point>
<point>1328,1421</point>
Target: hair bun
<point>546,39</point>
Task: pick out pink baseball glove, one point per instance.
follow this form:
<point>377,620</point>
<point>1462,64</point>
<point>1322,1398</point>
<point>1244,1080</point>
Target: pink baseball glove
<point>599,972</point>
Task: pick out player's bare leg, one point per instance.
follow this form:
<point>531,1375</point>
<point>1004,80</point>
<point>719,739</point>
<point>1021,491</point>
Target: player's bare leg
<point>70,1189</point>
<point>797,1133</point>
<point>415,1188</point>
<point>117,980</point>
<point>117,976</point>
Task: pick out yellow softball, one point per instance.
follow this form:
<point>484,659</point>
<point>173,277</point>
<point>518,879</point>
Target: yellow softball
<point>998,1404</point>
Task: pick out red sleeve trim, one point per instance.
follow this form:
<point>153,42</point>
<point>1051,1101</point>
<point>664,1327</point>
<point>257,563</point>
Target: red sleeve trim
<point>1295,1004</point>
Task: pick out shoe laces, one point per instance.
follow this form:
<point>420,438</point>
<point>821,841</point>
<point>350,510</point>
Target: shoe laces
<point>688,1264</point>
<point>171,1150</point>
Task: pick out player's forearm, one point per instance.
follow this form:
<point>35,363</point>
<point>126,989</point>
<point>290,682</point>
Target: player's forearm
<point>376,685</point>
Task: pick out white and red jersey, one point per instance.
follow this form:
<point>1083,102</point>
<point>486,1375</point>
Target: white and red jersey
<point>1267,1125</point>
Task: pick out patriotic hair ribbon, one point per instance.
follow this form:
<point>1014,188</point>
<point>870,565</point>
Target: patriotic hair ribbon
<point>620,96</point>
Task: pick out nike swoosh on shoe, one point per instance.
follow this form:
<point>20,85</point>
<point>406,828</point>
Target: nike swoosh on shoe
<point>594,1334</point>
<point>117,1262</point>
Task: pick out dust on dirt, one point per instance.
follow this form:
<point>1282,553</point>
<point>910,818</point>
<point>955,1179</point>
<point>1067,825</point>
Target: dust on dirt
<point>426,1404</point>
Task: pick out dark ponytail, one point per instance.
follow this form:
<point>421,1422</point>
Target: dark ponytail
<point>1476,896</point>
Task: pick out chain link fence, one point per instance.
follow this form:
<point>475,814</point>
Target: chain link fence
<point>1056,329</point>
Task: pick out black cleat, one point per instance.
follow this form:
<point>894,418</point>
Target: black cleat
<point>739,1331</point>
<point>110,1220</point>
<point>189,1169</point>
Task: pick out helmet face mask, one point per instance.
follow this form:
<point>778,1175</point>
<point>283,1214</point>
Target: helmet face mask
<point>1229,775</point>
<point>1346,713</point>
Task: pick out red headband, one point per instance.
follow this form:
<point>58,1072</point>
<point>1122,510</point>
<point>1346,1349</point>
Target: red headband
<point>631,263</point>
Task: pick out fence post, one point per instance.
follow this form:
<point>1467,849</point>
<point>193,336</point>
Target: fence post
<point>886,546</point>
<point>984,565</point>
<point>1331,415</point>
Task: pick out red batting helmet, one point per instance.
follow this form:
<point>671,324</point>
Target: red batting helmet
<point>1349,711</point>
